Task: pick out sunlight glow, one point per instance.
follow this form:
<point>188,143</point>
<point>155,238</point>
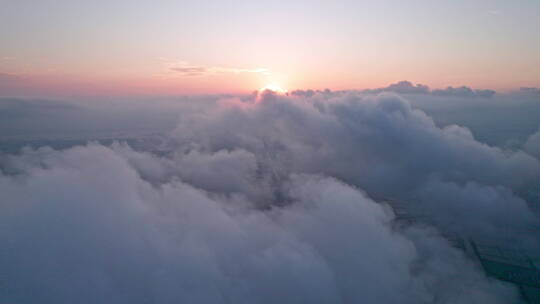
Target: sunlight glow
<point>274,88</point>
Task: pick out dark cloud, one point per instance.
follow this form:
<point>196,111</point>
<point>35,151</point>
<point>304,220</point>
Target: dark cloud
<point>463,92</point>
<point>22,118</point>
<point>406,87</point>
<point>530,91</point>
<point>506,119</point>
<point>310,93</point>
<point>532,145</point>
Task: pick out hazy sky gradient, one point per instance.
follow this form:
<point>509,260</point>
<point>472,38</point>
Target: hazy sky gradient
<point>171,47</point>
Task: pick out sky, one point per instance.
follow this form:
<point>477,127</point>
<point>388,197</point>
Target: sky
<point>142,160</point>
<point>79,48</point>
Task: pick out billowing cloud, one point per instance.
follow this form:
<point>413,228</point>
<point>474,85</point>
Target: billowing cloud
<point>129,241</point>
<point>532,146</point>
<point>265,199</point>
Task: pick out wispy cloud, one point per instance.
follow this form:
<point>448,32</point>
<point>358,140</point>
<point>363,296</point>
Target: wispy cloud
<point>6,77</point>
<point>190,70</point>
<point>186,69</point>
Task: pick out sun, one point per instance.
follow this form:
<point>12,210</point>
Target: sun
<point>274,88</point>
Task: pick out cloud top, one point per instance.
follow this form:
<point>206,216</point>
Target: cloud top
<point>406,87</point>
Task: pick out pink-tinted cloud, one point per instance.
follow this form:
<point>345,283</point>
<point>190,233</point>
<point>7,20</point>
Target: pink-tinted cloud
<point>186,69</point>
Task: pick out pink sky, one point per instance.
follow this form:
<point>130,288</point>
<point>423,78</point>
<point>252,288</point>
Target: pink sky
<point>188,47</point>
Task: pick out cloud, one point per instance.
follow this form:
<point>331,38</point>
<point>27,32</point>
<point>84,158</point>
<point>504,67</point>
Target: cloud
<point>532,145</point>
<point>377,136</point>
<point>506,119</point>
<point>265,199</point>
<point>47,120</point>
<point>529,91</point>
<point>310,93</point>
<point>185,69</point>
<point>191,70</point>
<point>406,87</point>
<point>463,91</point>
<point>6,78</point>
<point>129,241</point>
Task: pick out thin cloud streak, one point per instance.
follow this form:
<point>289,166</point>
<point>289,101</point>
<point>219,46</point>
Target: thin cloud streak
<point>186,69</point>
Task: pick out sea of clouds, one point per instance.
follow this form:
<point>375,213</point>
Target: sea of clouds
<point>264,198</point>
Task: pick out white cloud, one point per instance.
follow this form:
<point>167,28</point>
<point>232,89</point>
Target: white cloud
<point>260,199</point>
